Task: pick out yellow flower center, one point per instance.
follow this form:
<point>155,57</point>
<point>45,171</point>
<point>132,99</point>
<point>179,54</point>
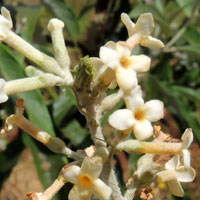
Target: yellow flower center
<point>85,180</point>
<point>139,114</point>
<point>125,61</point>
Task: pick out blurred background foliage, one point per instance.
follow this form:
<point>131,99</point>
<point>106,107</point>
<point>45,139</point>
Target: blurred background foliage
<point>174,78</point>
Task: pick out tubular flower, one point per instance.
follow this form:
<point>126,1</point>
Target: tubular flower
<point>5,23</point>
<point>140,32</point>
<point>3,96</point>
<point>176,173</point>
<point>118,57</point>
<point>86,181</point>
<point>138,116</point>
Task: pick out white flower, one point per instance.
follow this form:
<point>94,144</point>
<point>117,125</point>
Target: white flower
<point>5,23</point>
<point>174,174</point>
<point>118,57</point>
<point>3,96</point>
<point>138,116</point>
<point>187,139</point>
<point>141,30</point>
<point>86,181</point>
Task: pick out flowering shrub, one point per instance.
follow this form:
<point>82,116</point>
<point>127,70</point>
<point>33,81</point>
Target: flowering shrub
<point>91,173</point>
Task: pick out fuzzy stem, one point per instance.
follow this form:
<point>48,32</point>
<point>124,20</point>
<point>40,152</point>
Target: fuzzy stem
<point>56,26</point>
<point>49,192</point>
<point>130,193</point>
<point>31,83</point>
<point>109,176</point>
<point>54,188</point>
<point>46,62</point>
<point>135,146</point>
<point>55,144</point>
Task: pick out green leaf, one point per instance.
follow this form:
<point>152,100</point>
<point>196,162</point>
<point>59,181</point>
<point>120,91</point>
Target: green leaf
<point>39,158</point>
<point>188,92</point>
<point>164,71</point>
<point>48,166</point>
<point>159,4</point>
<point>31,16</point>
<point>190,48</point>
<point>75,132</point>
<point>176,103</point>
<point>192,35</point>
<point>62,10</point>
<point>62,106</point>
<point>34,105</point>
<point>186,5</point>
<point>85,15</point>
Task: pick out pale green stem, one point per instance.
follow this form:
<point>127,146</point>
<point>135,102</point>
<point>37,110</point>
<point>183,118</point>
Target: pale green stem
<point>31,83</point>
<point>110,178</point>
<point>55,144</point>
<point>56,26</point>
<point>46,62</point>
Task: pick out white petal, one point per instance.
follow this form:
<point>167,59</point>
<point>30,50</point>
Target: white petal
<point>123,50</point>
<point>121,119</point>
<point>144,24</point>
<point>105,74</point>
<point>154,110</point>
<point>91,167</point>
<point>187,138</point>
<point>152,43</point>
<point>5,12</point>
<point>185,175</point>
<point>110,57</point>
<point>111,45</point>
<point>167,175</point>
<point>71,173</point>
<point>173,163</point>
<point>175,188</point>
<point>143,129</point>
<point>133,99</point>
<point>79,193</point>
<point>113,84</point>
<point>5,23</point>
<point>126,78</point>
<point>3,96</point>
<point>97,62</point>
<point>186,158</point>
<point>144,164</point>
<point>128,23</point>
<point>140,63</point>
<point>101,190</point>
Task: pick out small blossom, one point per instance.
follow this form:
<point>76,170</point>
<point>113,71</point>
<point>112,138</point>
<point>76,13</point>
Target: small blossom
<point>86,181</point>
<point>3,96</point>
<point>187,139</point>
<point>118,57</point>
<point>176,173</point>
<point>138,116</point>
<point>141,31</point>
<point>5,23</point>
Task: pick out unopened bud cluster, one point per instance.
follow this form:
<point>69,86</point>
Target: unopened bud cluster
<point>92,173</point>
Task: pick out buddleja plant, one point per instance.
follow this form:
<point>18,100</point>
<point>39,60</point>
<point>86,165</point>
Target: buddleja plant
<point>91,172</point>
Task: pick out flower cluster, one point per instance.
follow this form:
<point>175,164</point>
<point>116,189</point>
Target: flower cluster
<point>92,172</point>
<point>117,56</point>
